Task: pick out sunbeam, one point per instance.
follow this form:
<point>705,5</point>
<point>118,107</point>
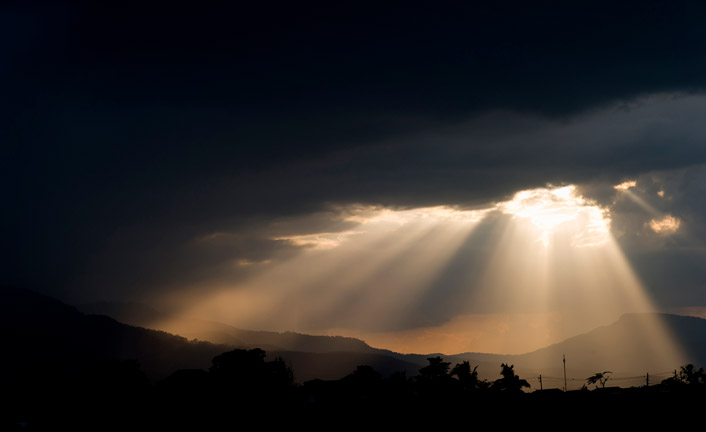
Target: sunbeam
<point>510,277</point>
<point>369,278</point>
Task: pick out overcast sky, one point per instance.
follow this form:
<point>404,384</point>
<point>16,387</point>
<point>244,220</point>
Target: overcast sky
<point>132,130</point>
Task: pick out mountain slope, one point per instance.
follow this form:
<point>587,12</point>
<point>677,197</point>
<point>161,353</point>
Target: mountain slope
<point>310,356</point>
<point>192,328</point>
<point>626,347</point>
<point>43,333</point>
<point>44,337</point>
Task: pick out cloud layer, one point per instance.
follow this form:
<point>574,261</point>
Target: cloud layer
<point>150,148</point>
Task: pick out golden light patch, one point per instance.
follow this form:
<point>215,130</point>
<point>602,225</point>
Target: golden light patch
<point>549,209</point>
<point>374,215</point>
<point>496,333</point>
<point>374,220</point>
<point>625,185</point>
<point>667,225</point>
<point>318,241</point>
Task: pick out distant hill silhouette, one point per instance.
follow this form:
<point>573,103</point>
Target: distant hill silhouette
<point>623,347</point>
<point>35,326</point>
<point>342,353</point>
<point>64,369</point>
<point>192,328</point>
<point>39,330</point>
<point>311,356</point>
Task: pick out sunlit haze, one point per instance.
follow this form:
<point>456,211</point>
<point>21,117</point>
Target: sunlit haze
<point>530,271</point>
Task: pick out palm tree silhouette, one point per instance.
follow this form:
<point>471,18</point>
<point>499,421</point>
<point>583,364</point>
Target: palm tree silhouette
<point>600,377</point>
<point>509,382</point>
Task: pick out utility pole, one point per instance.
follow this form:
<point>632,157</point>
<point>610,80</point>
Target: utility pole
<point>564,359</point>
<point>540,383</point>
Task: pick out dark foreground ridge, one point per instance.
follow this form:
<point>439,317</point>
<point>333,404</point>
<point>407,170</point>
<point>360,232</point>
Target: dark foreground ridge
<point>66,375</point>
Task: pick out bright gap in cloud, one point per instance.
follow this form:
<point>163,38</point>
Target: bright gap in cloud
<point>548,209</point>
<point>551,209</point>
<point>375,219</point>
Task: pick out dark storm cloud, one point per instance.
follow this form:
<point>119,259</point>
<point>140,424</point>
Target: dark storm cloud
<point>669,264</point>
<point>135,128</point>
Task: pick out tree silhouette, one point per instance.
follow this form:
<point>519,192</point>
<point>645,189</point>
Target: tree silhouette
<point>467,377</point>
<point>509,382</point>
<point>363,375</point>
<point>248,368</point>
<point>436,369</point>
<point>692,376</point>
<point>434,381</point>
<point>600,377</point>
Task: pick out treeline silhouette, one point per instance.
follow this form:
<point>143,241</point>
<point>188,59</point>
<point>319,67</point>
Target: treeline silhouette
<point>242,384</point>
<point>61,369</point>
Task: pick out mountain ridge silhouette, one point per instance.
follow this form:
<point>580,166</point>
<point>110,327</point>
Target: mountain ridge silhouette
<point>36,324</point>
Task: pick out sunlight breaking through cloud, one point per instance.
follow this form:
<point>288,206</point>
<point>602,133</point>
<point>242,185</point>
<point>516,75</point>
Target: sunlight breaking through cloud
<point>443,278</point>
<point>376,218</point>
<point>550,209</point>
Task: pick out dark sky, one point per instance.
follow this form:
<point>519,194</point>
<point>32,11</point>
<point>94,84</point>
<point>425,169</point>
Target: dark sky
<point>131,128</point>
